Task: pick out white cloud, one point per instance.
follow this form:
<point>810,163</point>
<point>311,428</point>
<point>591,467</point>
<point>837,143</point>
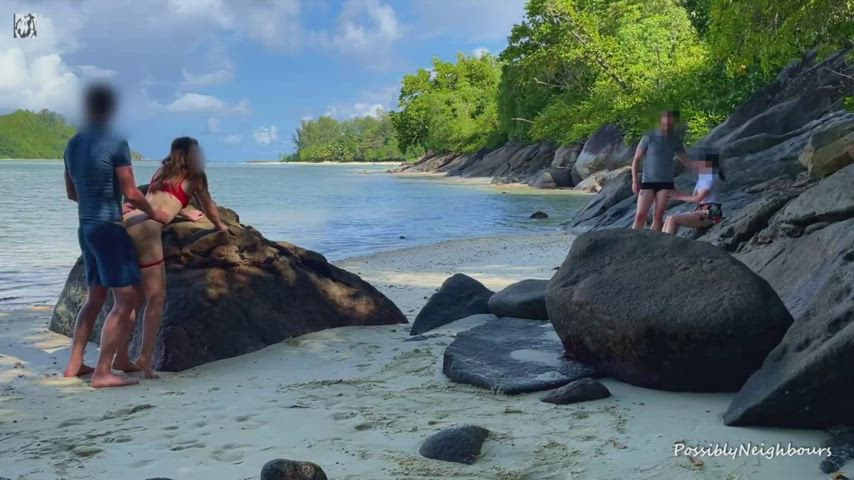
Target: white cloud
<point>215,77</point>
<point>199,103</point>
<point>366,110</point>
<point>232,139</point>
<point>95,73</point>
<point>39,82</point>
<point>266,135</point>
<point>480,52</point>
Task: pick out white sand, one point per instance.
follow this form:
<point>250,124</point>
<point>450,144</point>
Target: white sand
<point>357,401</point>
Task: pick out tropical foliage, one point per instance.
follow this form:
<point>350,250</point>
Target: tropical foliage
<point>369,138</point>
<point>26,134</point>
<point>572,66</point>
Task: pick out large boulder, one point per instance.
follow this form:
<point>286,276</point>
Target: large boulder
<point>664,312</point>
<point>807,255</point>
<point>606,149</point>
<point>231,293</point>
<point>806,380</point>
<point>525,299</point>
<point>511,356</point>
<point>459,296</point>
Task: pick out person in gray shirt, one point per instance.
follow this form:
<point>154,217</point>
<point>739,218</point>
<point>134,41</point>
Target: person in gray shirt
<point>98,172</point>
<point>657,150</point>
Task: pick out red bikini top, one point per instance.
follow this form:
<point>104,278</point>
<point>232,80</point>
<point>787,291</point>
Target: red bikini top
<point>175,189</point>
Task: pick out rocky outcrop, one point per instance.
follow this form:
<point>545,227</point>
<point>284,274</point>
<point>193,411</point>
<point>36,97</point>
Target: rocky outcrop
<point>606,149</point>
<point>525,299</point>
<point>705,324</point>
<point>459,444</point>
<point>230,293</point>
<point>542,165</point>
<point>459,296</point>
<point>597,181</point>
<point>810,260</point>
<point>511,356</point>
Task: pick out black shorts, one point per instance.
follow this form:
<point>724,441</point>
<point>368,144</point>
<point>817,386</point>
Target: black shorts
<point>109,255</point>
<point>657,186</point>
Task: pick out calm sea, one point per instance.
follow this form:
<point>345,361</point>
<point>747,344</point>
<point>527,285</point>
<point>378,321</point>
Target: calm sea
<point>340,211</point>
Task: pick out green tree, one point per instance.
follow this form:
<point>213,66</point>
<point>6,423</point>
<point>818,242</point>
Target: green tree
<point>325,139</point>
<point>453,107</point>
<point>26,134</point>
<point>767,34</point>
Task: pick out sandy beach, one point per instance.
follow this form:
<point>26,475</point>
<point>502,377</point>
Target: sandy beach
<point>358,402</point>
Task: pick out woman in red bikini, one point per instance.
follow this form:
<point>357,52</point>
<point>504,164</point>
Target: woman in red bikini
<point>180,178</point>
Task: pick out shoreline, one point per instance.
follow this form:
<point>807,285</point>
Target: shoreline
<point>359,401</point>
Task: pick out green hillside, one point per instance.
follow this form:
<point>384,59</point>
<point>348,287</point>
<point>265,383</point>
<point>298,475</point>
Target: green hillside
<point>25,134</point>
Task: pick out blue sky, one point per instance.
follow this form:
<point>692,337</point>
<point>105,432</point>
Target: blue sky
<point>238,75</point>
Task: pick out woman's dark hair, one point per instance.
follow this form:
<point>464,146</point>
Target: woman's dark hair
<point>717,165</point>
<point>100,102</point>
<point>176,165</point>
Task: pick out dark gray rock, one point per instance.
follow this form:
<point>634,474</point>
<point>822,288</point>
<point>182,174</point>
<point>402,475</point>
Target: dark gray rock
<point>841,445</point>
<point>805,381</point>
<point>581,390</point>
<point>525,299</point>
<point>281,469</point>
<point>539,215</point>
<point>663,312</point>
<point>511,356</point>
<point>606,149</point>
<point>231,293</point>
<point>459,296</point>
<point>459,444</point>
<point>832,199</point>
<point>615,199</point>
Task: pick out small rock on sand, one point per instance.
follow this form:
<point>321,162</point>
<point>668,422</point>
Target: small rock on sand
<point>539,215</point>
<point>581,390</point>
<point>281,469</point>
<point>460,444</point>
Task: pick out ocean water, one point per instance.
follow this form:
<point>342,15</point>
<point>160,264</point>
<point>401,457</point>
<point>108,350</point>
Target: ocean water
<point>340,211</point>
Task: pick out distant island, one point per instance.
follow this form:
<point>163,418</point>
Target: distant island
<point>26,134</point>
<point>362,139</point>
<point>37,135</point>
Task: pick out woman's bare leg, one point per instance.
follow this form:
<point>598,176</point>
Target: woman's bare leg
<point>690,220</point>
<point>154,286</point>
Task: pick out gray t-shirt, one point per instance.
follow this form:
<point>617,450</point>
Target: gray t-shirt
<point>91,159</point>
<point>660,149</point>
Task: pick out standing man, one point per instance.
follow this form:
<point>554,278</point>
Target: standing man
<point>657,150</point>
<point>97,172</point>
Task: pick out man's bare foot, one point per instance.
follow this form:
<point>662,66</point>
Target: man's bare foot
<point>103,380</point>
<point>145,365</point>
<point>126,366</point>
<point>78,371</point>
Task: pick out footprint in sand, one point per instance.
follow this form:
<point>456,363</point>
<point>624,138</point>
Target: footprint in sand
<point>248,422</point>
<point>186,445</point>
<point>229,453</point>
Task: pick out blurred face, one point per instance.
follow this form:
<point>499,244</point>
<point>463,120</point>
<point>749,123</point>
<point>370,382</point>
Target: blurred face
<point>195,159</point>
<point>667,121</point>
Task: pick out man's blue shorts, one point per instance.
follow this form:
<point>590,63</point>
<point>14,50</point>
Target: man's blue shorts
<point>109,255</point>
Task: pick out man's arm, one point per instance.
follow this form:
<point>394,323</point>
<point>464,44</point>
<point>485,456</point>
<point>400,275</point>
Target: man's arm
<point>135,197</point>
<point>70,191</point>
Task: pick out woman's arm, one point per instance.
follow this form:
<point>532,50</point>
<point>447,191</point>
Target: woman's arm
<point>209,206</point>
<point>684,197</point>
